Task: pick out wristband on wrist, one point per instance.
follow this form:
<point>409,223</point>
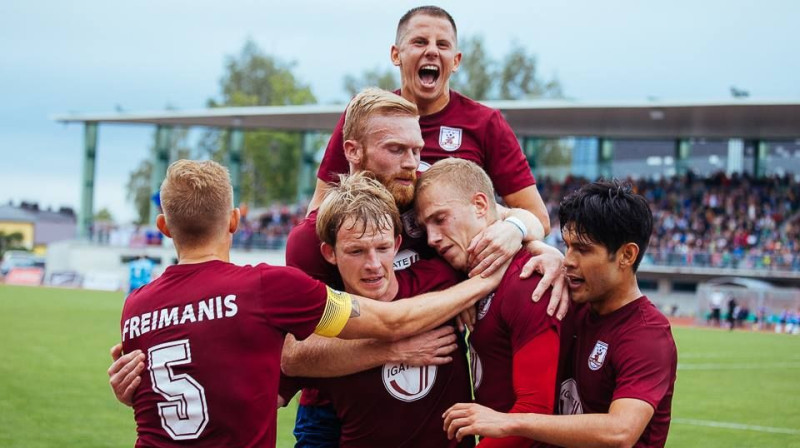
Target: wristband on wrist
<point>518,224</point>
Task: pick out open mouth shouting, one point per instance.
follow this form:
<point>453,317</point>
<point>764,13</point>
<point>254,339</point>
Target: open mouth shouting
<point>428,75</point>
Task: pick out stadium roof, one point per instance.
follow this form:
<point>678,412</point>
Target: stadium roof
<point>10,213</point>
<point>740,118</point>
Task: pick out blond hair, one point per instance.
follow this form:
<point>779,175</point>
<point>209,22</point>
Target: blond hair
<point>371,102</point>
<point>466,177</point>
<point>363,199</point>
<point>197,199</point>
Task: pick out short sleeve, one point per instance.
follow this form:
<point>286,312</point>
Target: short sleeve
<point>645,362</point>
<point>334,161</point>
<point>524,317</point>
<point>506,165</point>
<point>302,252</point>
<point>294,302</point>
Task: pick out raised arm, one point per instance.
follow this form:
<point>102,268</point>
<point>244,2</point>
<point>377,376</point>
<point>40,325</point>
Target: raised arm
<point>533,225</point>
<point>529,199</point>
<point>497,243</point>
<point>318,357</point>
<point>354,317</point>
<point>549,263</point>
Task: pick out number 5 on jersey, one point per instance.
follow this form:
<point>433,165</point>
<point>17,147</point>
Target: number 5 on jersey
<point>185,413</point>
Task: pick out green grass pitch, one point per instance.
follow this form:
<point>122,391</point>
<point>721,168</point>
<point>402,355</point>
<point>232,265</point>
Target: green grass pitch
<point>734,389</point>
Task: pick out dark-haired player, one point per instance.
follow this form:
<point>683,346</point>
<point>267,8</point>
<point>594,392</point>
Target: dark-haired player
<point>620,372</point>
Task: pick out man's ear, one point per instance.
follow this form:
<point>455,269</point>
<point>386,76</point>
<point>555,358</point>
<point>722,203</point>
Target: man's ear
<point>233,224</point>
<point>627,254</point>
<point>394,55</point>
<point>397,241</point>
<point>328,253</point>
<point>457,61</point>
<point>353,152</point>
<point>481,203</point>
<point>161,223</point>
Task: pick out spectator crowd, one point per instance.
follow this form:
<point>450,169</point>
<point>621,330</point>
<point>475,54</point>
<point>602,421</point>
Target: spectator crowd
<point>719,221</point>
<point>268,228</point>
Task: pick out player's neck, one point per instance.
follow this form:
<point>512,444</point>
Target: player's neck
<point>424,106</point>
<point>219,251</point>
<point>617,298</point>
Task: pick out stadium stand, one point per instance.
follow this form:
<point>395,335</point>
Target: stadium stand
<point>716,221</point>
<point>269,228</point>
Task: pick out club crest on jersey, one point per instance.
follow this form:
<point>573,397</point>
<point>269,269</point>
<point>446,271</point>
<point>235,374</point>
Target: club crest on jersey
<point>483,305</point>
<point>598,355</point>
<point>410,225</point>
<point>408,383</point>
<point>449,138</point>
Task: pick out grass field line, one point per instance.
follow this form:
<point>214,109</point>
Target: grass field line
<point>733,355</point>
<point>738,426</point>
<point>736,356</point>
<point>733,366</point>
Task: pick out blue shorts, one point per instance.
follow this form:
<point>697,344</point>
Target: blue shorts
<point>317,427</point>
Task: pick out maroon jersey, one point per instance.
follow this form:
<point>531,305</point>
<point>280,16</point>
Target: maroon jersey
<point>302,252</point>
<point>212,334</point>
<point>507,320</point>
<point>465,129</point>
<point>628,353</point>
<point>399,405</point>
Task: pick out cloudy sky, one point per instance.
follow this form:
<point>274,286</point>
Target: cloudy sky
<point>93,56</point>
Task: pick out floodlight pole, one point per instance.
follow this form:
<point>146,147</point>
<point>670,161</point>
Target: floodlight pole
<point>160,159</point>
<point>760,159</point>
<point>605,158</point>
<point>234,162</point>
<point>305,179</point>
<point>682,150</point>
<point>86,214</point>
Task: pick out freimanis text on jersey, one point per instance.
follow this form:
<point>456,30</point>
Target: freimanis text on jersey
<point>213,308</point>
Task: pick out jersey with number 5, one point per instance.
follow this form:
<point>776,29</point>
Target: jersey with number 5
<point>212,334</point>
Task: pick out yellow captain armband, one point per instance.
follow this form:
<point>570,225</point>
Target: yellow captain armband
<point>337,312</point>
